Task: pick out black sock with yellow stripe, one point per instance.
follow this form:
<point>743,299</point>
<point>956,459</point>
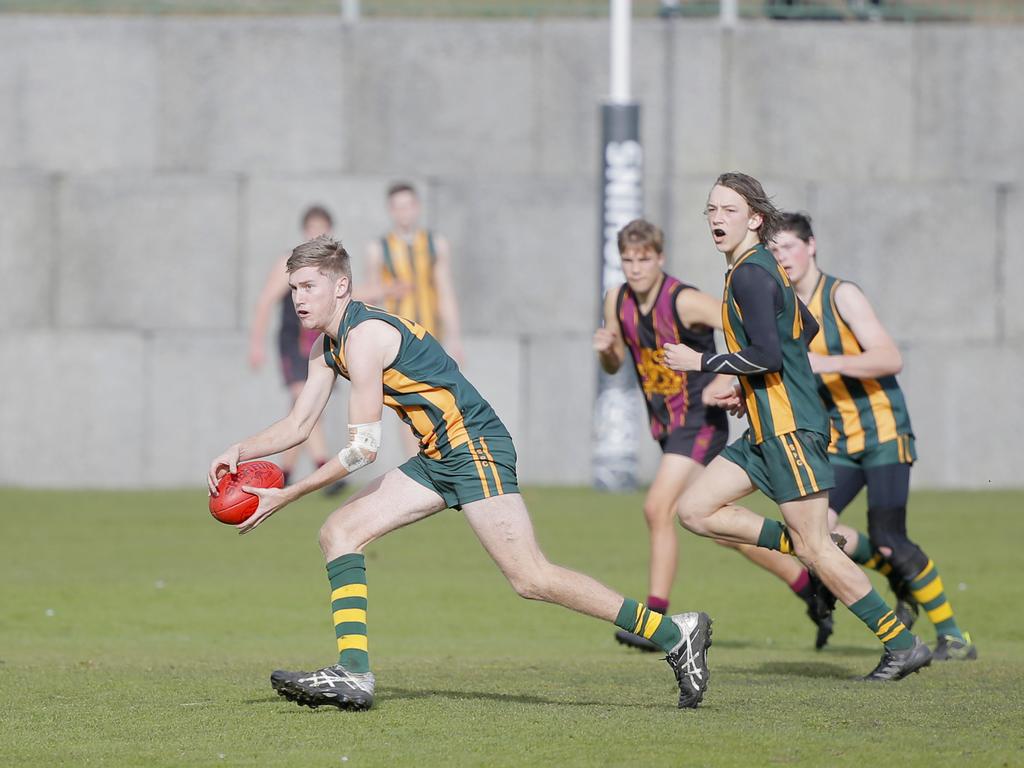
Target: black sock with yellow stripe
<point>928,591</point>
<point>873,611</point>
<point>348,604</point>
<point>637,618</point>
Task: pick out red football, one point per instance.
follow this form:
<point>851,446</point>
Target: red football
<point>232,505</point>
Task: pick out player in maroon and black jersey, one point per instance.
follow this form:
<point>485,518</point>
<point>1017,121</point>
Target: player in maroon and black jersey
<point>647,311</point>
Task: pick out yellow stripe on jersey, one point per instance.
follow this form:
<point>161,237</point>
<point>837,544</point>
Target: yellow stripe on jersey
<point>412,265</point>
<point>779,405</point>
<point>426,297</point>
<point>849,414</point>
<point>755,415</point>
<point>816,307</point>
<point>442,399</point>
<point>878,400</point>
<point>885,420</point>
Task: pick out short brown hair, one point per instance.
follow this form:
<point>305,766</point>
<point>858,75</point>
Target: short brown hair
<point>326,254</point>
<point>401,186</point>
<point>640,233</point>
<point>759,202</point>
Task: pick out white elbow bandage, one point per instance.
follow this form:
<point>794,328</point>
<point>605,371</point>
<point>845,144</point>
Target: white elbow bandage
<point>363,442</point>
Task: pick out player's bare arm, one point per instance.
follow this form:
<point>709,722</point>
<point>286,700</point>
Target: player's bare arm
<point>369,349</point>
<point>274,289</point>
<point>608,343</point>
<point>881,356</point>
<point>696,308</point>
<point>447,304</point>
<point>286,433</point>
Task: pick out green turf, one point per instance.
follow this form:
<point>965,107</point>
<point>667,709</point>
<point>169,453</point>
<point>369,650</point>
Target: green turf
<point>134,630</point>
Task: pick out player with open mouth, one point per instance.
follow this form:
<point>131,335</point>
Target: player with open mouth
<point>784,452</point>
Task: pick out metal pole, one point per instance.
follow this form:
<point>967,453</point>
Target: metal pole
<point>616,413</point>
<point>350,11</point>
<point>621,17</point>
<point>729,13</point>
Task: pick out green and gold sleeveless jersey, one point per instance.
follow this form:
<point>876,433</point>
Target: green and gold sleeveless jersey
<point>423,385</point>
<point>863,412</point>
<point>412,263</point>
<point>782,401</point>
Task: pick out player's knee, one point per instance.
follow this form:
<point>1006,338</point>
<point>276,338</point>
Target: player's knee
<point>692,513</point>
<point>657,513</point>
<point>531,583</point>
<point>884,530</point>
<point>334,537</point>
<point>810,548</point>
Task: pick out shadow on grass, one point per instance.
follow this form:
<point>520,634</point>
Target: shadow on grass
<point>666,702</point>
<point>396,694</point>
<point>818,669</point>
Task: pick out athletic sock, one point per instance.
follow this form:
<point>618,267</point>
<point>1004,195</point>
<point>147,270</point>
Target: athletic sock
<point>640,620</point>
<point>348,602</point>
<point>864,552</point>
<point>878,562</point>
<point>928,591</point>
<point>658,604</point>
<point>774,535</point>
<point>873,611</point>
<point>802,586</point>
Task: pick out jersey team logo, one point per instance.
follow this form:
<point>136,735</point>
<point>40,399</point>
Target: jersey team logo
<point>655,377</point>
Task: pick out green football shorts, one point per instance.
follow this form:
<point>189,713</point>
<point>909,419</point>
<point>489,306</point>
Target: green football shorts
<point>785,467</point>
<point>482,468</point>
<point>898,451</point>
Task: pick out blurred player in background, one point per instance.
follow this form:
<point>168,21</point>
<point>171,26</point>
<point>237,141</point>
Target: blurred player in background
<point>872,445</point>
<point>784,452</point>
<point>409,273</point>
<point>466,461</point>
<point>293,341</point>
<point>648,310</point>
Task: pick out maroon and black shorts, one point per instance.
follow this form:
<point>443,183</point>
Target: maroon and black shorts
<point>701,438</point>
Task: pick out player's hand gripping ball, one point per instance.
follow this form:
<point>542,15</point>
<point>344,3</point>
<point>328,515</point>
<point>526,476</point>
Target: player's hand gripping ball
<point>232,505</point>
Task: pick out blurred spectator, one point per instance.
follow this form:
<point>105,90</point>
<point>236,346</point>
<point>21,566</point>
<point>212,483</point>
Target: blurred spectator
<point>409,273</point>
<point>293,341</point>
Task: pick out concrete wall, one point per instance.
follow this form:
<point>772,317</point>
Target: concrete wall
<point>151,170</point>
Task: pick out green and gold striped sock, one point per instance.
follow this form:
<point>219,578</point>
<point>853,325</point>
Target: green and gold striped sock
<point>873,611</point>
<point>878,562</point>
<point>348,603</point>
<point>775,535</point>
<point>928,591</point>
<point>863,552</point>
<point>637,618</point>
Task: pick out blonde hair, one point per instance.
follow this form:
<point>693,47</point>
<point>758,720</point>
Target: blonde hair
<point>326,254</point>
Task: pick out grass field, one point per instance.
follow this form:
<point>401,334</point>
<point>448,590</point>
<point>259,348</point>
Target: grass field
<point>136,631</point>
